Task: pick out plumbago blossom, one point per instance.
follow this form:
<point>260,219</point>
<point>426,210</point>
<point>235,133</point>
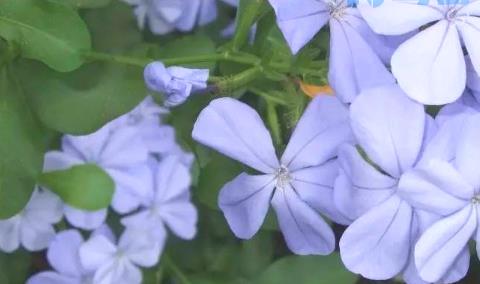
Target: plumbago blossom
<point>165,16</point>
<point>357,55</point>
<point>396,135</point>
<point>169,203</point>
<point>421,64</point>
<point>175,83</point>
<point>123,148</point>
<point>119,262</point>
<point>299,185</point>
<point>63,256</point>
<point>32,228</point>
<point>448,187</point>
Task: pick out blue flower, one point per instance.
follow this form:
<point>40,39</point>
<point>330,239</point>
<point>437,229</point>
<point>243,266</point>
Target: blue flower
<point>175,83</point>
<point>299,185</point>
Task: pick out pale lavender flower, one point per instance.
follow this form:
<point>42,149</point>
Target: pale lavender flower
<point>121,152</point>
<point>170,205</point>
<point>354,64</point>
<point>448,187</point>
<point>430,67</point>
<point>63,256</point>
<point>365,191</point>
<point>175,83</point>
<point>32,228</point>
<point>165,16</point>
<point>119,263</point>
<point>299,185</point>
<point>378,244</point>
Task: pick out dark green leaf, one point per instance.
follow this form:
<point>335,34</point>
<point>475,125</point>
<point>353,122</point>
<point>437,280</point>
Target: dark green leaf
<point>22,143</point>
<point>14,267</point>
<point>84,3</point>
<point>85,187</point>
<point>83,101</point>
<point>45,31</point>
<point>307,270</point>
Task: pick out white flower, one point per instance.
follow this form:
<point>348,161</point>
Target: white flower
<point>32,227</point>
<point>170,204</point>
<point>63,256</point>
<point>118,264</point>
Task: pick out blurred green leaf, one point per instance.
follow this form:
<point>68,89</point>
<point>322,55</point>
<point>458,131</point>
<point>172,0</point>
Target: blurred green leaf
<point>84,3</point>
<point>46,31</point>
<point>22,143</point>
<point>14,267</point>
<point>85,187</point>
<point>307,270</point>
<point>82,101</point>
<point>214,176</point>
<point>113,28</point>
<point>190,45</point>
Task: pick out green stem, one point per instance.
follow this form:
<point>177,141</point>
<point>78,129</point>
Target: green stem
<point>142,62</point>
<point>239,80</point>
<point>268,97</point>
<point>273,122</point>
<point>176,270</point>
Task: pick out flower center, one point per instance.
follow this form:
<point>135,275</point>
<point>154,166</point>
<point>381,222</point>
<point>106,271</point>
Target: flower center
<point>476,199</point>
<point>337,10</point>
<point>451,14</point>
<point>283,177</point>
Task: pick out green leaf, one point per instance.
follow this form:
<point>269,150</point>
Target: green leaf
<point>50,32</point>
<point>307,270</point>
<point>218,171</point>
<point>82,101</point>
<point>22,144</point>
<point>84,3</point>
<point>191,45</point>
<point>85,187</point>
<point>14,267</point>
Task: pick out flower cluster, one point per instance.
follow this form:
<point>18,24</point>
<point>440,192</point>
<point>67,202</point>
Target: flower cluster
<point>152,179</point>
<point>405,184</point>
<point>164,17</point>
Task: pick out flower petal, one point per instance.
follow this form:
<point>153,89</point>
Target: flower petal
<point>468,152</point>
<point>10,234</point>
<point>321,129</point>
<point>122,271</point>
<point>50,277</point>
<point>36,236</point>
<point>314,186</point>
<point>97,251</point>
<point>300,20</point>
<point>140,247</point>
<point>436,187</point>
<point>430,67</point>
<point>63,255</point>
<point>236,130</point>
<point>359,186</point>
<point>354,66</point>
<point>304,230</point>
<point>469,28</point>
<point>397,17</point>
<point>83,219</point>
<point>377,245</point>
<point>57,160</point>
<point>378,121</point>
<point>245,201</point>
<point>438,248</point>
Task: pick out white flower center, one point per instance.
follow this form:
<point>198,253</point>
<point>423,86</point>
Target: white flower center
<point>476,199</point>
<point>451,14</point>
<point>337,10</point>
<point>283,177</point>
